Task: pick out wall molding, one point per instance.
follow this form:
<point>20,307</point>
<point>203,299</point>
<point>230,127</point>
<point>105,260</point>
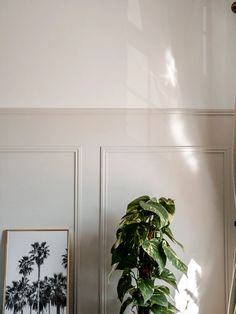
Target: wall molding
<point>105,111</point>
<point>77,165</point>
<point>104,153</point>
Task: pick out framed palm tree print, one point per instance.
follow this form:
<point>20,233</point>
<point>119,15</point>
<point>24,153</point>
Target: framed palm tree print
<point>36,272</point>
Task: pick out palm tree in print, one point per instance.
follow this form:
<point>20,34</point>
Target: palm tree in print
<point>23,288</point>
<point>47,291</point>
<point>32,296</point>
<point>16,295</point>
<point>58,291</point>
<point>25,265</point>
<point>39,253</point>
<point>11,296</point>
<point>43,297</point>
<point>65,259</point>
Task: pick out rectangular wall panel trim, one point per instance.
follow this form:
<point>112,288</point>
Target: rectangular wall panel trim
<point>77,166</point>
<point>105,152</point>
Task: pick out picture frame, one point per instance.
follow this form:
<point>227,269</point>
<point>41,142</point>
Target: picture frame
<point>36,271</point>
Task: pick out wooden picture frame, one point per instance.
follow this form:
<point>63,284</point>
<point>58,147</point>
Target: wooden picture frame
<point>36,271</point>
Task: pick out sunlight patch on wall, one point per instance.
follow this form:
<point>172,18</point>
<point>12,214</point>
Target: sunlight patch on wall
<point>179,134</point>
<point>187,298</point>
<point>191,160</point>
<point>171,71</point>
<point>146,87</point>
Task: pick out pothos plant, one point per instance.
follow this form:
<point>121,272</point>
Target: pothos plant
<point>141,252</point>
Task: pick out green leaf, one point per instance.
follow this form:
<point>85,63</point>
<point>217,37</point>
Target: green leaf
<point>169,309</point>
<point>146,287</point>
<point>158,309</point>
<point>129,262</point>
<point>168,203</point>
<point>114,266</point>
<point>118,253</point>
<point>157,209</point>
<point>159,298</point>
<point>154,199</point>
<point>143,198</point>
<point>134,217</point>
<point>124,285</point>
<point>133,208</point>
<point>134,235</point>
<point>124,257</point>
<point>118,240</point>
<point>137,298</point>
<point>163,289</point>
<point>169,233</point>
<point>154,249</point>
<point>173,258</point>
<point>125,304</point>
<point>168,277</point>
<point>172,308</point>
<point>141,234</point>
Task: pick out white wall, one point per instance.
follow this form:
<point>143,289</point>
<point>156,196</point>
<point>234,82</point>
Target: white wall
<point>116,54</point>
<point>110,53</point>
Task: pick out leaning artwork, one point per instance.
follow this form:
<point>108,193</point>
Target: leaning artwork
<point>36,278</point>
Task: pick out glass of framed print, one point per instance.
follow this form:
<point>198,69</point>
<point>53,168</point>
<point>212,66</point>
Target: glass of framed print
<point>36,277</point>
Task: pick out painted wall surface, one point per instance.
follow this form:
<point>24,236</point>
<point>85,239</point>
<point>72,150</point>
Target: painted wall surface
<point>78,169</point>
<point>110,53</point>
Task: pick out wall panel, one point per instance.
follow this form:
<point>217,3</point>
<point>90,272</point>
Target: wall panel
<point>37,190</point>
<point>195,178</point>
<point>79,168</point>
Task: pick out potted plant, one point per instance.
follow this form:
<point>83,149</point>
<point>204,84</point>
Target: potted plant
<point>141,251</point>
